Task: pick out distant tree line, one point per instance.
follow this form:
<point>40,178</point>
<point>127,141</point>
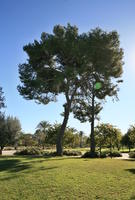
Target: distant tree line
<point>46,136</point>
<point>106,135</point>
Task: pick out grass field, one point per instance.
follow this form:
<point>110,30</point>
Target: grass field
<point>23,178</point>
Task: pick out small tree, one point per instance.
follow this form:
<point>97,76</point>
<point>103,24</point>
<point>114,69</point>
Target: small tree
<point>3,133</point>
<point>2,99</point>
<point>108,135</point>
<point>13,128</point>
<point>100,137</point>
<point>9,131</point>
<point>129,138</point>
<point>113,136</point>
<point>27,140</point>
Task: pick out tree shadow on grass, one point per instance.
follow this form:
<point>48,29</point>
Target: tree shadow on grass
<point>34,159</point>
<point>131,171</point>
<point>13,165</point>
<point>129,160</point>
<point>132,198</point>
<point>15,175</point>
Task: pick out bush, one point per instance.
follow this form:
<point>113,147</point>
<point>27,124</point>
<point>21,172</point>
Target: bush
<point>49,154</point>
<point>72,153</point>
<point>88,154</point>
<point>38,151</point>
<point>65,153</point>
<point>132,155</point>
<point>115,154</point>
<point>124,151</point>
<point>103,155</point>
<point>30,151</point>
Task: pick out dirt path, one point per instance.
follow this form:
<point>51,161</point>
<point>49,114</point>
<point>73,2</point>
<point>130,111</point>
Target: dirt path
<point>8,152</point>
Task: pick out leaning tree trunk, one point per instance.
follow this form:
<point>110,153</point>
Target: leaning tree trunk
<point>59,145</point>
<point>92,136</point>
<point>67,107</point>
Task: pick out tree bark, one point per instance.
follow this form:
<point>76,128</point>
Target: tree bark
<point>59,145</point>
<point>1,148</point>
<point>111,148</point>
<point>67,107</point>
<point>100,150</point>
<point>92,136</point>
<point>81,142</point>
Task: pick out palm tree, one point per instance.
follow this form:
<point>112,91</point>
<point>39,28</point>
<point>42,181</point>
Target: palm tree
<point>43,126</point>
<point>41,132</point>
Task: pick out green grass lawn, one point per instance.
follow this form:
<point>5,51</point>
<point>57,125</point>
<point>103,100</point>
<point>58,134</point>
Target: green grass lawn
<point>23,178</point>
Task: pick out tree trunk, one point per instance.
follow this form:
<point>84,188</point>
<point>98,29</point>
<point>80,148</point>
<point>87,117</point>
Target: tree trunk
<point>1,148</point>
<point>92,136</point>
<point>100,150</point>
<point>59,145</point>
<point>111,148</point>
<point>81,142</point>
<point>67,107</point>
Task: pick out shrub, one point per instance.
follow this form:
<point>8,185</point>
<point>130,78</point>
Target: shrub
<point>65,153</point>
<point>103,155</point>
<point>115,154</point>
<point>72,153</point>
<point>30,151</point>
<point>132,155</point>
<point>124,151</point>
<point>49,154</point>
<point>88,154</point>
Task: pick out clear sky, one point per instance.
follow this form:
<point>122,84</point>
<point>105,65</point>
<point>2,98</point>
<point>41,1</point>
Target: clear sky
<point>23,21</point>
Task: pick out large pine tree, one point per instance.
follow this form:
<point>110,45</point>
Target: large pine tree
<point>60,63</point>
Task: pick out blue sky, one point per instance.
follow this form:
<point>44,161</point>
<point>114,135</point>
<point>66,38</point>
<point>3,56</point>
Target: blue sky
<point>23,21</point>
